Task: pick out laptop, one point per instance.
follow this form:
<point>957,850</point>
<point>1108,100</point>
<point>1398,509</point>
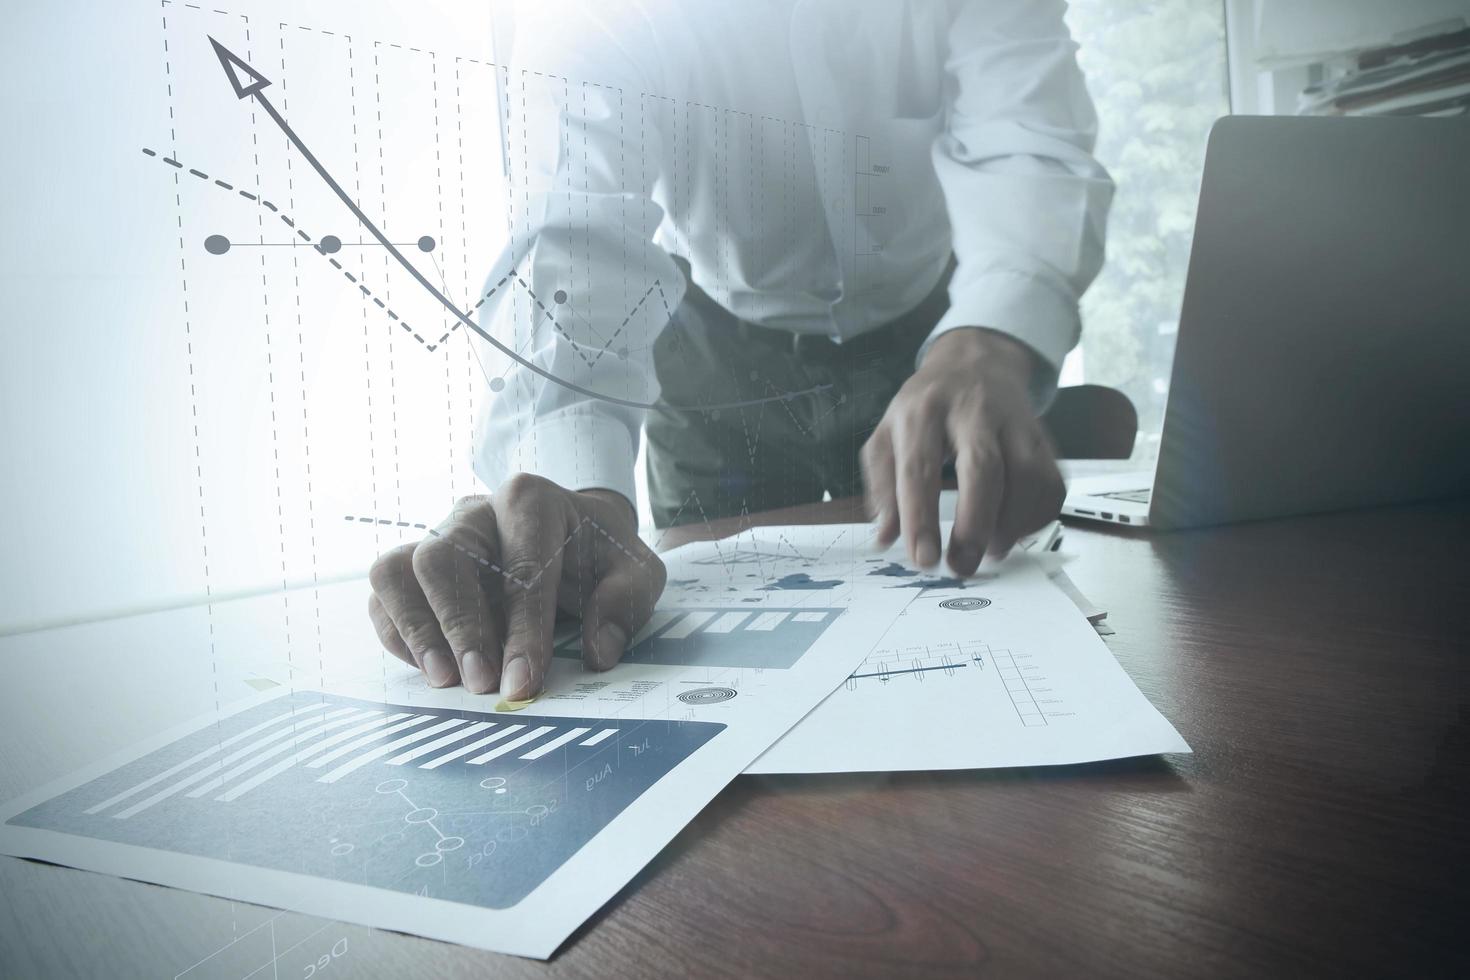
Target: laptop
<point>1323,354</point>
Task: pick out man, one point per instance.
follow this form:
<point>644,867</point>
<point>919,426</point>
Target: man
<point>836,244</point>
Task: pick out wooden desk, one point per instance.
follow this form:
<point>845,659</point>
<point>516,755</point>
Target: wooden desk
<point>1319,668</point>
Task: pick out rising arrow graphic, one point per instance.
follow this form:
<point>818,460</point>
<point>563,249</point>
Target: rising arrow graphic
<point>252,87</point>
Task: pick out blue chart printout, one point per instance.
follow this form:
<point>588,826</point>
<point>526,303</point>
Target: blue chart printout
<point>468,807</point>
<point>382,802</point>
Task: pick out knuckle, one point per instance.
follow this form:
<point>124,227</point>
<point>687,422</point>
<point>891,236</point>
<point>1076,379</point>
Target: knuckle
<point>919,467</point>
<point>419,635</point>
<point>658,574</point>
<point>388,571</point>
<point>475,510</point>
<point>982,456</point>
<point>387,632</point>
<point>525,573</point>
<point>436,557</point>
<point>930,402</point>
<point>465,625</point>
<point>524,490</point>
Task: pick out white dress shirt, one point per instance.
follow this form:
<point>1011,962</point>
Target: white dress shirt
<point>816,162</point>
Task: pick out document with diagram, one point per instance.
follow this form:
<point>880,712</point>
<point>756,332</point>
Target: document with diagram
<point>395,806</point>
<point>1001,669</point>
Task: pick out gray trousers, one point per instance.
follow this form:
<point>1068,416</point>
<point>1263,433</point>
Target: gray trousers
<point>721,463</point>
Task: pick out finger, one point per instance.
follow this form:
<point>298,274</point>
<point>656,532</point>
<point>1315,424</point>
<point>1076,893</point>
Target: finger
<point>877,462</point>
<point>1033,487</point>
<point>453,566</point>
<point>397,588</point>
<point>980,470</point>
<point>387,632</point>
<point>533,526</point>
<point>918,460</point>
<point>619,606</point>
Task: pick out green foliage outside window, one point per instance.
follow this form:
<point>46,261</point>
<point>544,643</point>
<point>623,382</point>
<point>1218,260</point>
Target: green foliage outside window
<point>1156,71</point>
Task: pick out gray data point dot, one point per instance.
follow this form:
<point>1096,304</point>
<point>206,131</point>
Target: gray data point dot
<point>559,297</point>
<point>497,384</point>
<point>216,244</point>
<point>426,244</point>
<point>623,353</point>
<point>330,244</point>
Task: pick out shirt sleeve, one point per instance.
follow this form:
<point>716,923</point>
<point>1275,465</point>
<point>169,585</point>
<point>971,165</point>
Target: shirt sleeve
<point>1027,201</point>
<point>580,290</point>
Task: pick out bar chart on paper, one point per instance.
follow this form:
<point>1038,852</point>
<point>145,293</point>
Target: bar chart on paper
<point>939,661</point>
<point>762,637</point>
<point>460,805</point>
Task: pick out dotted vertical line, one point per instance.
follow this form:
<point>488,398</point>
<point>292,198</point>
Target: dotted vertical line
<point>565,135</point>
<point>623,201</point>
<point>580,556</point>
<point>789,206</point>
<point>721,122</point>
<point>316,595</point>
<point>193,388</point>
<point>643,169</point>
<point>758,185</point>
<point>464,265</point>
<point>387,270</point>
<point>688,178</point>
<point>439,203</point>
<point>367,346</point>
<point>270,375</point>
<point>506,126</point>
<point>586,263</point>
<point>481,627</point>
<point>530,380</point>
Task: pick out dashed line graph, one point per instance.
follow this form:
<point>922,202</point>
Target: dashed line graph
<point>486,562</point>
<point>252,86</point>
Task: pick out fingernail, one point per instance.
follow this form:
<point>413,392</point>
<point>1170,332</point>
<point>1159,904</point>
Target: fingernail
<point>439,668</point>
<point>962,560</point>
<point>927,554</point>
<point>515,679</point>
<point>610,643</point>
<point>478,678</point>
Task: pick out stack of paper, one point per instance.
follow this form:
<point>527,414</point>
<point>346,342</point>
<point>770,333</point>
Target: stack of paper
<point>1426,77</point>
<point>791,649</point>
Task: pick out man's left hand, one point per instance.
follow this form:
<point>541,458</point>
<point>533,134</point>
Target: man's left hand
<point>969,402</point>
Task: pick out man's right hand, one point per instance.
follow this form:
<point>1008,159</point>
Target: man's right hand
<point>477,599</point>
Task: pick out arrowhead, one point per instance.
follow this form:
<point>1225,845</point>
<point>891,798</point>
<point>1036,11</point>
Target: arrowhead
<point>234,68</point>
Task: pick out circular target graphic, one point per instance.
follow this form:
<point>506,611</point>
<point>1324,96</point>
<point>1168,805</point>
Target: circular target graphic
<point>965,603</point>
<point>707,695</point>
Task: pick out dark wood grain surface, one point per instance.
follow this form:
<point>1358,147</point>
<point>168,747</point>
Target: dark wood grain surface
<point>1319,668</point>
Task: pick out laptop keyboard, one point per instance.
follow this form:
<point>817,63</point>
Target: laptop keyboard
<point>1133,496</point>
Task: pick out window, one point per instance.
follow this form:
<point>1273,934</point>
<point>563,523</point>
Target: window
<point>1157,73</point>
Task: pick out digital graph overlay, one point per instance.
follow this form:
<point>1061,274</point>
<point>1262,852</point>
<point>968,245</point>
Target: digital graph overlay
<point>470,807</point>
<point>251,86</point>
<point>758,638</point>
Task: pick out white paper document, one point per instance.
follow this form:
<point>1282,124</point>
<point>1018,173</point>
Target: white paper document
<point>427,812</point>
<point>1002,669</point>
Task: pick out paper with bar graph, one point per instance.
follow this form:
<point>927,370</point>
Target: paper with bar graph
<point>1001,669</point>
<point>396,806</point>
